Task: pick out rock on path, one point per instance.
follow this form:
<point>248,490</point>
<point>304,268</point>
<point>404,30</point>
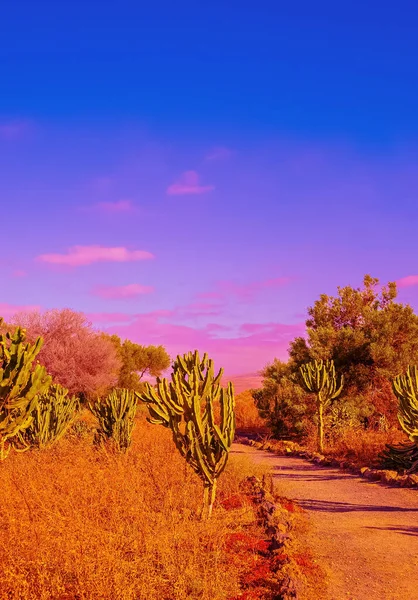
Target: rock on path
<point>363,534</point>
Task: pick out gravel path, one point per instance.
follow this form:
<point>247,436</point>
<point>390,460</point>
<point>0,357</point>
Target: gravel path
<point>364,535</point>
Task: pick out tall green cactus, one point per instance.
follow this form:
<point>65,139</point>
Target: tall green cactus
<point>405,387</point>
<point>404,456</point>
<point>116,417</point>
<point>52,416</point>
<point>186,405</point>
<point>20,385</point>
<point>319,377</point>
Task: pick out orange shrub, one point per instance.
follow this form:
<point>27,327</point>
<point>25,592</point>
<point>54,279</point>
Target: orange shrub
<point>363,446</point>
<point>246,413</point>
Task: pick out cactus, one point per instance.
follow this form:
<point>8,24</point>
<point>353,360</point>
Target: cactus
<point>319,377</point>
<point>20,385</point>
<point>405,388</point>
<point>186,406</point>
<point>404,456</point>
<point>116,417</point>
<point>52,416</point>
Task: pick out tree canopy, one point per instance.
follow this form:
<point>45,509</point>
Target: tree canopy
<point>370,337</point>
<point>137,361</point>
<point>76,355</point>
<point>281,402</point>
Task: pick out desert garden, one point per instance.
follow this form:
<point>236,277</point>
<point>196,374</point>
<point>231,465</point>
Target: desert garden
<point>114,486</point>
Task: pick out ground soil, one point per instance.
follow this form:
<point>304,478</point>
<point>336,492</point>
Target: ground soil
<point>364,535</point>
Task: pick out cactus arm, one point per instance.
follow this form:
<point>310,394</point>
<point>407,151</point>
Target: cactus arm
<point>187,403</point>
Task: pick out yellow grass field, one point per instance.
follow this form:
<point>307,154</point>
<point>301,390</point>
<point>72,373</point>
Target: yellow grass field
<point>81,524</point>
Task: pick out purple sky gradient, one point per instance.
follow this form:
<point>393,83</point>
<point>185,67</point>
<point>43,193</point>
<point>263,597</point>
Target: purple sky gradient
<point>229,261</point>
<point>197,174</point>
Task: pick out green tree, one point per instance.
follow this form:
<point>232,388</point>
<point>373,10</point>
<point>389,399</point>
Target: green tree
<point>137,361</point>
<point>370,338</point>
<point>281,402</point>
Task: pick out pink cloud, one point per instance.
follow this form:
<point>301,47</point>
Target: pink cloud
<point>266,331</point>
<point>188,184</point>
<point>109,318</point>
<point>407,281</point>
<point>114,292</point>
<point>87,255</point>
<point>245,291</point>
<point>13,130</point>
<point>19,273</point>
<point>9,310</point>
<point>245,353</point>
<point>198,309</point>
<point>219,153</point>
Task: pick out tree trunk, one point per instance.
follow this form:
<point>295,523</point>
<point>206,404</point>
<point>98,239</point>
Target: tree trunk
<point>320,426</point>
<point>209,493</point>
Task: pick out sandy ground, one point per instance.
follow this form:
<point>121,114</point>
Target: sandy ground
<point>363,534</point>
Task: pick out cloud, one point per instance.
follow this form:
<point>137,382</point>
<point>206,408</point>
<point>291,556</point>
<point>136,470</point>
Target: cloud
<point>19,273</point>
<point>407,281</point>
<point>198,309</point>
<point>256,344</point>
<point>114,292</point>
<point>219,153</point>
<point>247,291</point>
<point>86,255</point>
<point>9,310</point>
<point>266,331</point>
<point>188,184</point>
<point>13,130</point>
<point>107,319</point>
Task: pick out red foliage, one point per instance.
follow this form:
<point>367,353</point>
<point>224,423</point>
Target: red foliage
<point>258,575</point>
<point>76,356</point>
<point>288,505</point>
<point>234,501</point>
<point>242,542</point>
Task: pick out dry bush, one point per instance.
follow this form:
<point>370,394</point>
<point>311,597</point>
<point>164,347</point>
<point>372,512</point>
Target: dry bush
<point>246,413</point>
<point>77,356</point>
<point>363,446</point>
<point>84,524</point>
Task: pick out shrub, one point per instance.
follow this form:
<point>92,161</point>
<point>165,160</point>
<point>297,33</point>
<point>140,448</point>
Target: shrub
<point>116,418</point>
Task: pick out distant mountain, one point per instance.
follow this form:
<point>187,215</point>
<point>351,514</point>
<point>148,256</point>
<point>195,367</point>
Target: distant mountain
<point>243,382</point>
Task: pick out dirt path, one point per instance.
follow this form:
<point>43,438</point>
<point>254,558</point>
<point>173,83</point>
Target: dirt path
<point>364,535</point>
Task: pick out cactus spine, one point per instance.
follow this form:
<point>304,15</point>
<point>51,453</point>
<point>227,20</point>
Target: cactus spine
<point>116,417</point>
<point>52,416</point>
<point>405,387</point>
<point>20,385</point>
<point>319,377</point>
<point>186,406</point>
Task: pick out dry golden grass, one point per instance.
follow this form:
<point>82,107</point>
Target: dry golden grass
<point>363,446</point>
<point>83,524</point>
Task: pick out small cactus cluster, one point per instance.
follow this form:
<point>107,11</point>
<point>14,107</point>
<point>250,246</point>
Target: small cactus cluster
<point>319,377</point>
<point>52,415</point>
<point>20,385</point>
<point>186,405</point>
<point>116,418</point>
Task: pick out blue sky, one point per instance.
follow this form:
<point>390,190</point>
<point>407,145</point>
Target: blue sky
<point>262,153</point>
